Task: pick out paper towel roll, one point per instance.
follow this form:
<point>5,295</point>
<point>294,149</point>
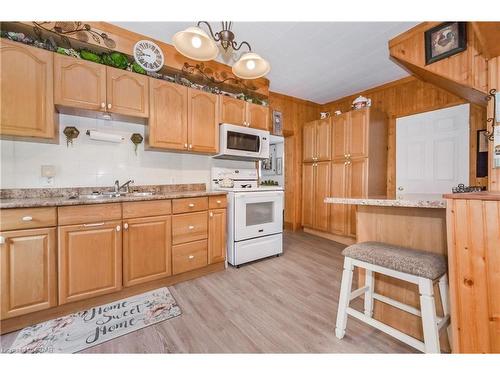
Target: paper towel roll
<point>106,137</point>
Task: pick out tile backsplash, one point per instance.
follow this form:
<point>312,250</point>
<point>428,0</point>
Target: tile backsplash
<point>95,163</point>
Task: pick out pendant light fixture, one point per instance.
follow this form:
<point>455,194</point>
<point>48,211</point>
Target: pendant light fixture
<point>196,44</point>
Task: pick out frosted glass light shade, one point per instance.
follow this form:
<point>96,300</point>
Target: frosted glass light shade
<point>251,66</point>
<point>195,44</point>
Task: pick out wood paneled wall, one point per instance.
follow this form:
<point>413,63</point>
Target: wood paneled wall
<point>295,113</point>
<point>406,97</point>
<point>493,83</point>
<point>465,73</point>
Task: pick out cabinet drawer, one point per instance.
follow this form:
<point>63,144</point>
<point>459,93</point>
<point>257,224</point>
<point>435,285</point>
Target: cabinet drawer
<point>189,205</point>
<point>189,256</point>
<point>217,201</point>
<point>189,227</point>
<point>25,218</point>
<point>149,208</point>
<point>91,213</point>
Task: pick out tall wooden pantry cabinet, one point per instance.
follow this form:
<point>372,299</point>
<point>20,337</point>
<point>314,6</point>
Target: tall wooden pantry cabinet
<point>343,156</point>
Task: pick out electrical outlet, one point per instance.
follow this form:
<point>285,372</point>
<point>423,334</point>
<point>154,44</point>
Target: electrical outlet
<point>48,181</point>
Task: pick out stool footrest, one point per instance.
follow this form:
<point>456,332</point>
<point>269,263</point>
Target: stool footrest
<point>358,292</point>
<point>407,339</point>
<point>399,305</point>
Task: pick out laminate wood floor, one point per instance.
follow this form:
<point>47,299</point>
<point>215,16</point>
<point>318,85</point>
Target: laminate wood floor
<point>277,305</point>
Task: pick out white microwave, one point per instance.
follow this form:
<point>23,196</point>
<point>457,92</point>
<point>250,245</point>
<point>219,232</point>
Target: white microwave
<point>242,143</point>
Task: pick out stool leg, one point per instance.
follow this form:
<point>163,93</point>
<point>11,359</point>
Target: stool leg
<point>445,301</point>
<point>429,318</point>
<point>370,282</point>
<point>345,294</point>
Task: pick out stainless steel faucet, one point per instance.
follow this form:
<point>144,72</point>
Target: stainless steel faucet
<point>126,185</point>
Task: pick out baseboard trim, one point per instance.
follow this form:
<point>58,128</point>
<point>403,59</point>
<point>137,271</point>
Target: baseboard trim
<point>332,237</point>
<point>19,322</point>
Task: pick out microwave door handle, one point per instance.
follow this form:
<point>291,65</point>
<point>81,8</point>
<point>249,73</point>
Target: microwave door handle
<point>258,143</point>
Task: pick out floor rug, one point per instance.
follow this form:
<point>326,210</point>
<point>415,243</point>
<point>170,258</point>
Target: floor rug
<point>82,330</point>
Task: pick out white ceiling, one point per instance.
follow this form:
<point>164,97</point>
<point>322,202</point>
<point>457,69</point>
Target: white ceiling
<point>317,61</point>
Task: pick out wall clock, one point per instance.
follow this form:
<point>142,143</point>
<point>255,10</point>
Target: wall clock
<point>148,55</point>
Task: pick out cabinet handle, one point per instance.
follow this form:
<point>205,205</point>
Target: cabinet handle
<point>27,218</point>
<point>219,202</point>
<point>2,240</point>
<point>185,145</point>
<point>191,257</point>
<point>191,205</point>
<point>125,226</point>
<point>118,228</point>
<point>109,105</point>
<point>190,146</point>
<point>93,225</point>
<point>103,105</point>
<point>191,227</point>
<point>211,214</point>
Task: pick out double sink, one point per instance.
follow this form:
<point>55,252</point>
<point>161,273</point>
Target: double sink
<point>112,194</point>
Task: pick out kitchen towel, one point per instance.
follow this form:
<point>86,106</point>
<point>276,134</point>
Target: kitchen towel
<point>82,330</point>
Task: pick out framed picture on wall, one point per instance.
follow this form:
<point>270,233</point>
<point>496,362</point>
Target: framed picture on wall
<point>279,166</point>
<point>445,40</point>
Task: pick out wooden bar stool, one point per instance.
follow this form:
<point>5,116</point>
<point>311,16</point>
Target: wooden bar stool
<point>415,266</point>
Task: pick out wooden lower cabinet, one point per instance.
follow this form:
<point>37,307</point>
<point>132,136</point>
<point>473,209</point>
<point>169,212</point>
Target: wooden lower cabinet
<point>338,188</point>
<point>316,187</point>
<point>308,195</point>
<point>90,260</point>
<point>147,249</point>
<point>28,271</point>
<point>216,235</point>
<point>189,256</point>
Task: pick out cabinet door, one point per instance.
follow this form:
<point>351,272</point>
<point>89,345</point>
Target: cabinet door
<point>147,249</point>
<point>127,93</point>
<point>90,260</point>
<point>28,271</point>
<point>257,116</point>
<point>216,236</point>
<point>357,188</point>
<point>308,195</point>
<point>358,133</point>
<point>203,121</point>
<point>323,140</point>
<point>26,98</point>
<point>79,83</point>
<point>321,191</point>
<point>167,127</point>
<point>339,136</point>
<point>232,111</point>
<point>338,212</point>
<point>309,142</point>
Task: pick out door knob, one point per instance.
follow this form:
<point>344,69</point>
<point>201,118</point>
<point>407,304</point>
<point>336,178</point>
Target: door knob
<point>185,145</point>
<point>118,228</point>
<point>211,214</point>
<point>109,105</point>
<point>125,226</point>
<point>103,105</point>
<point>190,146</point>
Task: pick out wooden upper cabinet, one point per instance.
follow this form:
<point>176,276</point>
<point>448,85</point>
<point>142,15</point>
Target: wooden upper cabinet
<point>79,83</point>
<point>232,111</point>
<point>357,138</point>
<point>26,99</point>
<point>147,249</point>
<point>203,121</point>
<point>257,116</point>
<point>339,136</point>
<point>90,260</point>
<point>309,142</point>
<point>216,235</point>
<point>323,140</point>
<point>308,195</point>
<point>127,93</point>
<point>28,271</point>
<point>167,127</point>
<point>321,191</point>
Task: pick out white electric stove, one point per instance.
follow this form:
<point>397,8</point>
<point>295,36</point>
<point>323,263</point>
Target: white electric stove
<point>255,216</point>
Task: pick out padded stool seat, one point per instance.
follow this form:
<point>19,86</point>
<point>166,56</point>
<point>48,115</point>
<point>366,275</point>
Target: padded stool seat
<point>415,262</point>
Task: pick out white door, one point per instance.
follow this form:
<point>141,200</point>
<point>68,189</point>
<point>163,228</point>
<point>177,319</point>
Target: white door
<point>432,151</point>
<point>257,214</point>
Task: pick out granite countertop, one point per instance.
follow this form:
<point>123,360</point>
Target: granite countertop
<point>20,198</point>
<point>406,200</point>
